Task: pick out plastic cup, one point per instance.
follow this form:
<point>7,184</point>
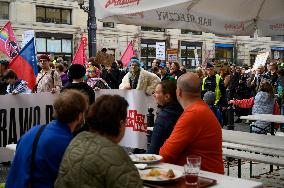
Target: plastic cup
<point>191,170</point>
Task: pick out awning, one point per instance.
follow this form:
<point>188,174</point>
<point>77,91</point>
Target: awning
<point>277,48</point>
<point>224,45</point>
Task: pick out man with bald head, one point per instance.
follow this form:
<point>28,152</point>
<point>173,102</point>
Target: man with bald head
<point>197,131</point>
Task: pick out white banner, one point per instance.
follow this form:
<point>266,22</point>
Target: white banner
<point>18,113</point>
<point>161,50</point>
<point>238,17</point>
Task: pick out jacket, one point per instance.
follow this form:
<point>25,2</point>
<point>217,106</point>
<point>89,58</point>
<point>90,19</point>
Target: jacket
<point>147,82</point>
<point>167,76</point>
<point>164,125</point>
<point>20,86</point>
<point>262,103</point>
<point>196,132</point>
<point>84,87</point>
<point>92,160</point>
<point>50,149</point>
<point>209,84</point>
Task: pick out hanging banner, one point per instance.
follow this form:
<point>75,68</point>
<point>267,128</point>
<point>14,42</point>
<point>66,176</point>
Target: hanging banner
<point>161,50</point>
<point>18,113</point>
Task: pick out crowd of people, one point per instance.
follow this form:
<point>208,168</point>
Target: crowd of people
<point>86,131</point>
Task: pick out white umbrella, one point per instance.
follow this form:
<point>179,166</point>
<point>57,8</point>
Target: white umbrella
<point>231,17</point>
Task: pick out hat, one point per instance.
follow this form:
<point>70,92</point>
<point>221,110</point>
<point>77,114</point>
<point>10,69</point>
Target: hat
<point>209,97</point>
<point>44,57</point>
<point>76,71</point>
<point>162,65</point>
<point>209,65</point>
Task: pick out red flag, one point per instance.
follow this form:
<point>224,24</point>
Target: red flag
<point>127,54</point>
<point>8,42</point>
<point>80,57</point>
<point>25,64</point>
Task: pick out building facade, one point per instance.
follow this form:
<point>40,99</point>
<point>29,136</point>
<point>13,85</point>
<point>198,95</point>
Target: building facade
<point>59,25</point>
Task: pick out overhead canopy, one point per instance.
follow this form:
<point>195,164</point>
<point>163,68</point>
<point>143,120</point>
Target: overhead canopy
<point>229,17</point>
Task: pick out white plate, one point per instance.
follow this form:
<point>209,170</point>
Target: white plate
<point>141,166</point>
<point>145,158</point>
<point>159,178</point>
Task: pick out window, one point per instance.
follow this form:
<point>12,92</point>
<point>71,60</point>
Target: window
<point>4,10</point>
<point>154,29</point>
<point>148,51</point>
<point>225,52</point>
<point>223,36</point>
<point>53,15</point>
<point>187,52</point>
<point>186,31</point>
<point>278,38</point>
<point>58,44</point>
<point>108,24</point>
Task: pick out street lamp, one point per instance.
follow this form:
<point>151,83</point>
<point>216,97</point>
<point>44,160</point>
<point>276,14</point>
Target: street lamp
<point>92,26</point>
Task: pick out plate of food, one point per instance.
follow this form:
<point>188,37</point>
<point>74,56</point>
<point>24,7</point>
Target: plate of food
<point>160,174</point>
<point>145,158</point>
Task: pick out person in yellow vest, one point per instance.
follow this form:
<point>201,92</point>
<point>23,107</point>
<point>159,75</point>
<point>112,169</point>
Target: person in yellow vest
<point>213,82</point>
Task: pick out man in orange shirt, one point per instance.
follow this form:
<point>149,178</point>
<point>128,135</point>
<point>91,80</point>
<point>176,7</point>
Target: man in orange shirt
<point>197,131</point>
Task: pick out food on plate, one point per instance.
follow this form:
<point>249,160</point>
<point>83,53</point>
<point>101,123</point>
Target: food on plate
<point>160,173</point>
<point>170,173</point>
<point>147,158</point>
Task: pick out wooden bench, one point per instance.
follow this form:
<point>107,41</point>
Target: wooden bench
<point>251,153</point>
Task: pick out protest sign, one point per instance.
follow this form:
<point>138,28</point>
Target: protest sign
<point>196,58</point>
<point>260,59</point>
<point>27,36</point>
<point>161,50</point>
<point>104,59</point>
<point>172,55</point>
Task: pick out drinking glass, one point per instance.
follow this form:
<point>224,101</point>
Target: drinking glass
<point>191,170</point>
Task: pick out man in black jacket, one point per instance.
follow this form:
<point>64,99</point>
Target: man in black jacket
<point>170,110</point>
<point>233,82</point>
<point>213,82</point>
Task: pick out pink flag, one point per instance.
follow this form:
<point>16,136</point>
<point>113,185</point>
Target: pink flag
<point>127,54</point>
<point>80,57</point>
<point>8,42</point>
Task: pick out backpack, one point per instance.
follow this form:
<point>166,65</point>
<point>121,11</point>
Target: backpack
<point>217,113</point>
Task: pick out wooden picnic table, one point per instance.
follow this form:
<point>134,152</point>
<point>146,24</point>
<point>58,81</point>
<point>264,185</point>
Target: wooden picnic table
<point>258,144</point>
<point>265,117</point>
